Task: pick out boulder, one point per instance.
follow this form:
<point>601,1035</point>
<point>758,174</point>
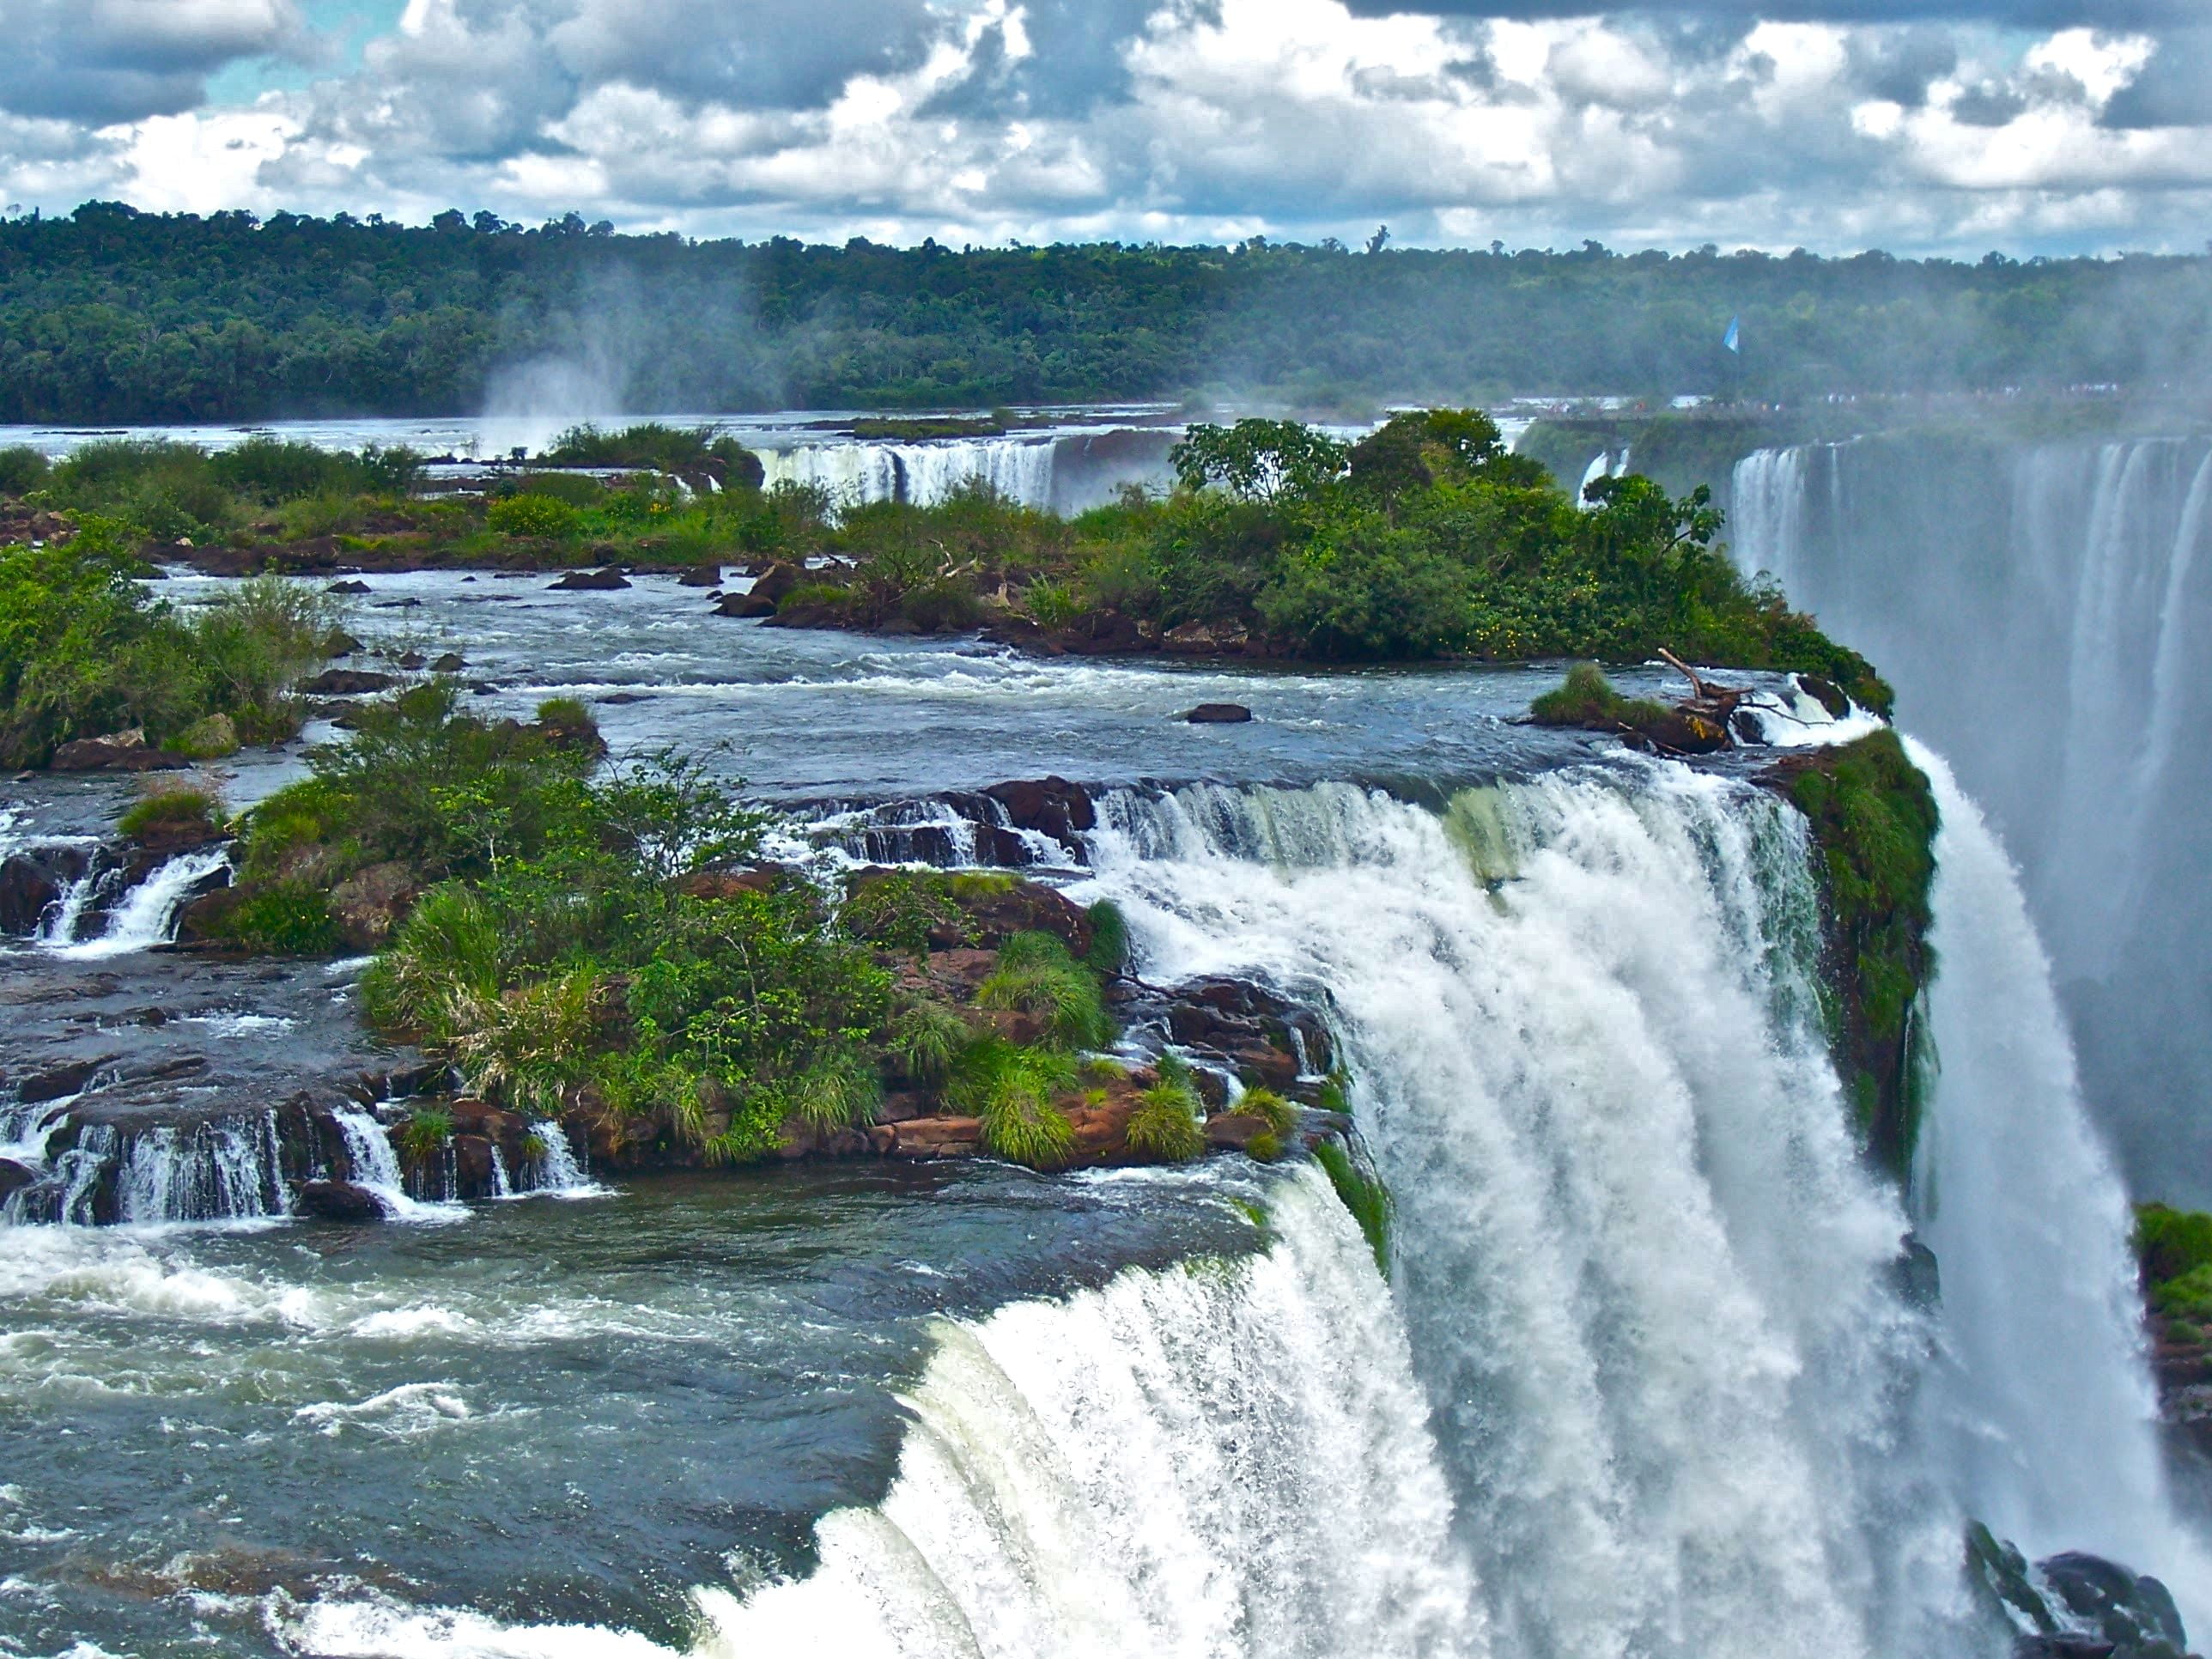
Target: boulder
<point>337,1201</point>
<point>1109,634</point>
<point>937,1137</point>
<point>776,581</point>
<point>118,751</point>
<point>744,606</point>
<point>31,883</point>
<point>1218,714</point>
<point>451,662</point>
<point>13,1177</point>
<point>369,905</point>
<point>1028,907</point>
<point>473,1167</point>
<point>166,835</point>
<point>1051,806</point>
<point>700,575</point>
<point>350,585</point>
<point>208,738</point>
<point>591,582</point>
<point>412,661</point>
<point>347,682</point>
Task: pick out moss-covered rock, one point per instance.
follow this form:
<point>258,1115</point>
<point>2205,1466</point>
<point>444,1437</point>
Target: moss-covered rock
<point>1874,820</point>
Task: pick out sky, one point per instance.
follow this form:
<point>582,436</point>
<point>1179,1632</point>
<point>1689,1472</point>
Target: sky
<point>1943,126</point>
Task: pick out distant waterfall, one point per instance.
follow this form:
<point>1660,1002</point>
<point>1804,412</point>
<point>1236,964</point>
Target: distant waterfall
<point>855,473</point>
<point>2053,1432</point>
<point>2045,614</point>
<point>1649,1286</point>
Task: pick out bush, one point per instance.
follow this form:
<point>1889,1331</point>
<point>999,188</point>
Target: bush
<point>1036,976</point>
<point>577,489</point>
<point>423,1135</point>
<point>196,808</point>
<point>281,918</point>
<point>1588,699</point>
<point>1051,604</point>
<point>1280,1116</point>
<point>1011,1089</point>
<point>2170,1243</point>
<point>22,469</point>
<point>445,957</point>
<point>539,516</point>
<point>528,1046</point>
<point>1110,938</point>
<point>1165,1123</point>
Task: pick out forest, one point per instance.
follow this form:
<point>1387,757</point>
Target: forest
<point>110,314</point>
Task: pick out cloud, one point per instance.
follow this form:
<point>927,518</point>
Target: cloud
<point>100,61</point>
<point>1919,124</point>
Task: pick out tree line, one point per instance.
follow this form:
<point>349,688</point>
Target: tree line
<point>109,314</point>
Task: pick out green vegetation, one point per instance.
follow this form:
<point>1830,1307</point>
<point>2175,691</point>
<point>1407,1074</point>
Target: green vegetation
<point>168,809</point>
<point>1010,1087</point>
<point>1588,699</point>
<point>85,651</point>
<point>2174,1251</point>
<point>1166,1124</point>
<point>1036,976</point>
<point>1873,822</point>
<point>1363,1193</point>
<point>423,1136</point>
<point>111,315</point>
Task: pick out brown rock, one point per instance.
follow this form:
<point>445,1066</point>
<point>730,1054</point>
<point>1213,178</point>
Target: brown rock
<point>777,580</point>
<point>724,884</point>
<point>337,1201</point>
<point>744,606</point>
<point>700,575</point>
<point>450,662</point>
<point>118,751</point>
<point>368,905</point>
<point>347,682</point>
<point>938,1137</point>
<point>1051,806</point>
<point>590,581</point>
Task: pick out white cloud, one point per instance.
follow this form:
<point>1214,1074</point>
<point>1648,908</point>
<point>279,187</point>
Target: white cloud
<point>977,119</point>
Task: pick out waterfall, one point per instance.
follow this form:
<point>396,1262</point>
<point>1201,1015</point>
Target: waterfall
<point>1649,1288</point>
<point>221,1170</point>
<point>147,915</point>
<point>853,473</point>
<point>374,1167</point>
<point>2053,1420</point>
<point>555,1169</point>
<point>2046,615</point>
<point>1217,1459</point>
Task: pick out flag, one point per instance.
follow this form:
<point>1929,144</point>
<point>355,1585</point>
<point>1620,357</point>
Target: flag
<point>1732,339</point>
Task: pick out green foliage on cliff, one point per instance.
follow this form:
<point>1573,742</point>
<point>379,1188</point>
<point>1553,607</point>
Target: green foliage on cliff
<point>2174,1248</point>
<point>1363,1193</point>
<point>1586,699</point>
<point>1874,822</point>
<point>110,314</point>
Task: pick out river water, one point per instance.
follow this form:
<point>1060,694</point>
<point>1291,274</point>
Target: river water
<point>1643,1380</point>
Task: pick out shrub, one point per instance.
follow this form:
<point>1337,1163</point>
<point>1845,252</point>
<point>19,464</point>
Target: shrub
<point>1051,604</point>
<point>208,738</point>
<point>1010,1089</point>
<point>528,1046</point>
<point>1588,699</point>
<point>532,516</point>
<point>1280,1115</point>
<point>166,808</point>
<point>281,918</point>
<point>445,955</point>
<point>927,1038</point>
<point>423,1135</point>
<point>2170,1243</point>
<point>1265,1147</point>
<point>260,638</point>
<point>576,490</point>
<point>1165,1124</point>
<point>1110,938</point>
<point>22,469</point>
<point>1035,975</point>
<point>835,1094</point>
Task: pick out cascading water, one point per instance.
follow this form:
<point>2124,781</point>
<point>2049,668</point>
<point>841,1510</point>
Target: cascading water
<point>2051,1418</point>
<point>376,1168</point>
<point>147,914</point>
<point>925,474</point>
<point>1650,1287</point>
<point>555,1169</point>
<point>224,1169</point>
<point>2046,613</point>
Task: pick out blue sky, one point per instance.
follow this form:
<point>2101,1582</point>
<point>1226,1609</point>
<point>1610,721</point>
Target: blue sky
<point>1920,125</point>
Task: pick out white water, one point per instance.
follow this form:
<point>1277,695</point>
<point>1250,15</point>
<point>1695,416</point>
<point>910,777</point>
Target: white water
<point>223,1169</point>
<point>1647,1282</point>
<point>2044,614</point>
<point>557,1170</point>
<point>925,474</point>
<point>1216,1460</point>
<point>376,1170</point>
<point>148,915</point>
<point>2052,1416</point>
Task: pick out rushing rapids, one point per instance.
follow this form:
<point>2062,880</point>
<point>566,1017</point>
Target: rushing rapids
<point>2043,612</point>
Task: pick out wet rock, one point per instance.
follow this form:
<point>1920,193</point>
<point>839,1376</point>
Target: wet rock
<point>450,662</point>
<point>347,682</point>
<point>13,1177</point>
<point>1103,635</point>
<point>410,603</point>
<point>700,575</point>
<point>777,582</point>
<point>339,643</point>
<point>590,581</point>
<point>1826,693</point>
<point>1235,1131</point>
<point>2132,1611</point>
<point>1051,805</point>
<point>473,1167</point>
<point>202,920</point>
<point>744,606</point>
<point>724,884</point>
<point>1218,714</point>
<point>337,1201</point>
<point>412,661</point>
<point>937,1137</point>
<point>118,751</point>
<point>368,905</point>
<point>350,585</point>
<point>621,698</point>
<point>1028,906</point>
<point>31,884</point>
